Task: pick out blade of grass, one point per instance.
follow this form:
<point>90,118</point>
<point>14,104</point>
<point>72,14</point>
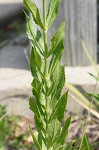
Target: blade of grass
<point>84,105</point>
<point>92,145</point>
<point>88,54</point>
<point>89,112</point>
<point>83,131</point>
<point>79,94</point>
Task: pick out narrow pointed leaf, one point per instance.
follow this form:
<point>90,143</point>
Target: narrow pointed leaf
<point>64,131</point>
<point>85,144</point>
<point>59,109</point>
<point>37,89</point>
<point>34,139</point>
<point>53,131</point>
<point>33,64</point>
<point>69,146</point>
<point>55,77</point>
<point>94,76</point>
<point>52,11</point>
<point>38,59</point>
<point>56,58</point>
<point>63,134</point>
<point>57,39</point>
<point>57,48</point>
<point>39,126</point>
<point>34,34</point>
<point>96,96</point>
<point>31,7</point>
<point>36,64</point>
<point>58,87</point>
<point>36,107</point>
<point>59,82</point>
<point>33,106</point>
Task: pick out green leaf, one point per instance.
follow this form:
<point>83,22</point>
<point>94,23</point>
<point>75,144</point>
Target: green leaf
<point>52,11</point>
<point>34,34</point>
<point>58,48</point>
<point>94,76</point>
<point>85,145</point>
<point>42,141</point>
<point>37,88</point>
<point>38,59</point>
<point>96,96</point>
<point>62,137</point>
<point>36,107</point>
<point>36,64</point>
<point>55,78</point>
<point>69,146</point>
<point>53,132</point>
<point>57,39</point>
<point>39,126</point>
<point>59,84</point>
<point>33,65</point>
<point>59,109</point>
<point>34,139</point>
<point>33,106</point>
<point>31,7</point>
<point>39,116</point>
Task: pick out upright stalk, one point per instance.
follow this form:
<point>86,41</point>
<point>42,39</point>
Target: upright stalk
<point>48,103</point>
<point>45,37</point>
<point>45,58</point>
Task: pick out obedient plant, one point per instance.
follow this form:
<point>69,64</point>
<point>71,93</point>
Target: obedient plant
<point>48,103</point>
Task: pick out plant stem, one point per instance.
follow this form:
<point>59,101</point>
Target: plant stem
<point>45,59</point>
<point>45,38</point>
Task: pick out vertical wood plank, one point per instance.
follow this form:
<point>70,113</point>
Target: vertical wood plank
<point>81,21</point>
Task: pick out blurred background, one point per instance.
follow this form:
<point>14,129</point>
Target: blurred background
<point>82,22</point>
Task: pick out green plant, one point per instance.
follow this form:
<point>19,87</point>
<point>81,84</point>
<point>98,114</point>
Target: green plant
<point>8,129</point>
<point>3,127</point>
<point>47,102</point>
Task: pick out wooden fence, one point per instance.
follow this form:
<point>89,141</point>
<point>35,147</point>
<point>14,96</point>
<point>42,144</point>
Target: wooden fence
<point>81,22</point>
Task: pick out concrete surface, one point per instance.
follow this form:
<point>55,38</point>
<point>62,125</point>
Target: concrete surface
<point>12,56</point>
<point>20,78</point>
<point>15,88</point>
<point>80,75</point>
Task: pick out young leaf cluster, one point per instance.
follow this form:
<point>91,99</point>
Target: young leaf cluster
<point>48,103</point>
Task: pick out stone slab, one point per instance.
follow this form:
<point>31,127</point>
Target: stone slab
<point>80,75</point>
<point>15,88</point>
<point>14,51</point>
<point>13,56</point>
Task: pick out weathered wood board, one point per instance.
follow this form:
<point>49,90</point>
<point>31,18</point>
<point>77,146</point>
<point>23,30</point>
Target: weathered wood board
<point>81,22</point>
<point>81,18</point>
